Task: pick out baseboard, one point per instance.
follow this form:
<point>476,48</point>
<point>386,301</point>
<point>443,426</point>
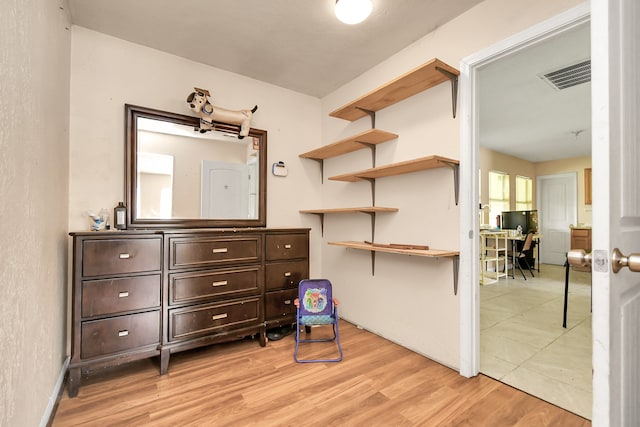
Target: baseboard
<point>47,417</point>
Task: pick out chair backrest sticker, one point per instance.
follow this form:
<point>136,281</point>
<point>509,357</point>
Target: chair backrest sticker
<point>315,300</point>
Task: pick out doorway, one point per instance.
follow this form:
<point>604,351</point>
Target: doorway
<point>470,157</point>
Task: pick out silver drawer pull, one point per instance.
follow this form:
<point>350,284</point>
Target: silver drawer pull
<point>287,246</point>
<point>123,333</point>
<point>287,302</point>
<point>123,294</point>
<point>220,250</point>
<point>287,274</point>
<point>124,256</point>
<point>219,316</point>
<point>220,283</point>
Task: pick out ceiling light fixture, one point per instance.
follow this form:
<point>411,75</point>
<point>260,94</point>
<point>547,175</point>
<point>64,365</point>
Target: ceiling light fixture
<point>353,11</point>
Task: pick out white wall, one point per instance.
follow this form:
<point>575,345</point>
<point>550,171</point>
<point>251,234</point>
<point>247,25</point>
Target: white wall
<point>34,116</point>
<point>410,300</point>
<point>107,73</point>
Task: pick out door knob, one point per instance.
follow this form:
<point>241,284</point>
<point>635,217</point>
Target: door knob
<point>579,258</point>
<point>618,260</point>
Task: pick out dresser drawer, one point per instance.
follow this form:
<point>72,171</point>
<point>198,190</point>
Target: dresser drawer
<point>116,334</point>
<point>200,285</point>
<point>120,256</point>
<point>203,252</point>
<point>280,304</point>
<point>286,246</point>
<point>212,318</point>
<point>282,275</point>
<point>110,296</point>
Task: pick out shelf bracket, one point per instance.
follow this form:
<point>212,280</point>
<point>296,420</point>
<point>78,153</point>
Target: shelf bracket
<point>454,88</point>
<point>456,266</point>
<point>373,263</point>
<point>372,115</point>
<point>321,215</point>
<point>373,152</point>
<point>321,224</point>
<point>321,161</point>
<point>456,178</point>
<point>372,181</point>
<point>373,225</point>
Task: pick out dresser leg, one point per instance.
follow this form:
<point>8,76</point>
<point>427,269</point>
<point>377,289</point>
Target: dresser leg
<point>164,361</point>
<point>73,383</point>
<point>263,336</point>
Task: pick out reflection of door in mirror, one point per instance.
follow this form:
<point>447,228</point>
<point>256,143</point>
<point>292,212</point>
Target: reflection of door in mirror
<point>222,186</point>
<point>155,185</point>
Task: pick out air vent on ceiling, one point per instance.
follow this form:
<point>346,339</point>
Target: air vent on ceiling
<point>568,76</point>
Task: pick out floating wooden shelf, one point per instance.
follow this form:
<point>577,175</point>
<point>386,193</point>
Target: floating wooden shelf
<point>416,165</point>
<point>430,253</point>
<point>371,210</point>
<point>423,163</point>
<point>352,143</point>
<point>415,81</point>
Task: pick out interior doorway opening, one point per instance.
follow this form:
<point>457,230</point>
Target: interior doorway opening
<point>473,151</point>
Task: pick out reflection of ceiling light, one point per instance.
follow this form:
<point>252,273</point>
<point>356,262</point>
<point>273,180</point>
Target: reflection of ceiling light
<point>353,11</point>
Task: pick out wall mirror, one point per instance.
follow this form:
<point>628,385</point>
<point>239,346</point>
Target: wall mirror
<point>177,176</point>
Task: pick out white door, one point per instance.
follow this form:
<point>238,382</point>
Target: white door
<point>615,46</point>
<point>224,189</point>
<point>558,209</point>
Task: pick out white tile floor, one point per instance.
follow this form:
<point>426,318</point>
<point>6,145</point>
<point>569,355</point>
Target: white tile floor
<point>523,343</point>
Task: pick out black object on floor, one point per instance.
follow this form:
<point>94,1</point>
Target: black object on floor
<point>276,334</point>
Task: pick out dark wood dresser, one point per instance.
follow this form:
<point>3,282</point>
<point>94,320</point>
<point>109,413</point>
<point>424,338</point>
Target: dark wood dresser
<point>139,294</point>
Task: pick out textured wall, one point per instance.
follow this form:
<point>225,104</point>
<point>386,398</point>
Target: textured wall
<point>34,140</point>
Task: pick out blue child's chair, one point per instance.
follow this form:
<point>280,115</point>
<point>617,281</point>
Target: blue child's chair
<point>316,306</point>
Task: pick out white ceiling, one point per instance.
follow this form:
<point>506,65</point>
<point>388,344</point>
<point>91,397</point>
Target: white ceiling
<point>300,45</point>
<point>295,44</point>
<point>523,116</point>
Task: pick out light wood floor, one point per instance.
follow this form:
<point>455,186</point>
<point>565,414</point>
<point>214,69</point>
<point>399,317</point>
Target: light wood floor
<point>241,384</point>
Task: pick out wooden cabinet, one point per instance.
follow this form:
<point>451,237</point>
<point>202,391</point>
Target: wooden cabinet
<point>116,300</point>
<point>581,238</point>
<point>139,294</point>
<point>287,263</point>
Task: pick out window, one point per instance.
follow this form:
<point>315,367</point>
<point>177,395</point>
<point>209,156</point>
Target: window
<point>498,195</point>
<point>524,193</point>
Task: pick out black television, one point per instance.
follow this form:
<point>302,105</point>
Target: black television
<point>528,220</point>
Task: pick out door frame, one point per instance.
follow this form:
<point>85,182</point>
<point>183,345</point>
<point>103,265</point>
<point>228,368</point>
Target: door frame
<point>469,268</point>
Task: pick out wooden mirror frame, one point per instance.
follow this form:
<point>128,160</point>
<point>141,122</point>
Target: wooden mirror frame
<point>132,113</point>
